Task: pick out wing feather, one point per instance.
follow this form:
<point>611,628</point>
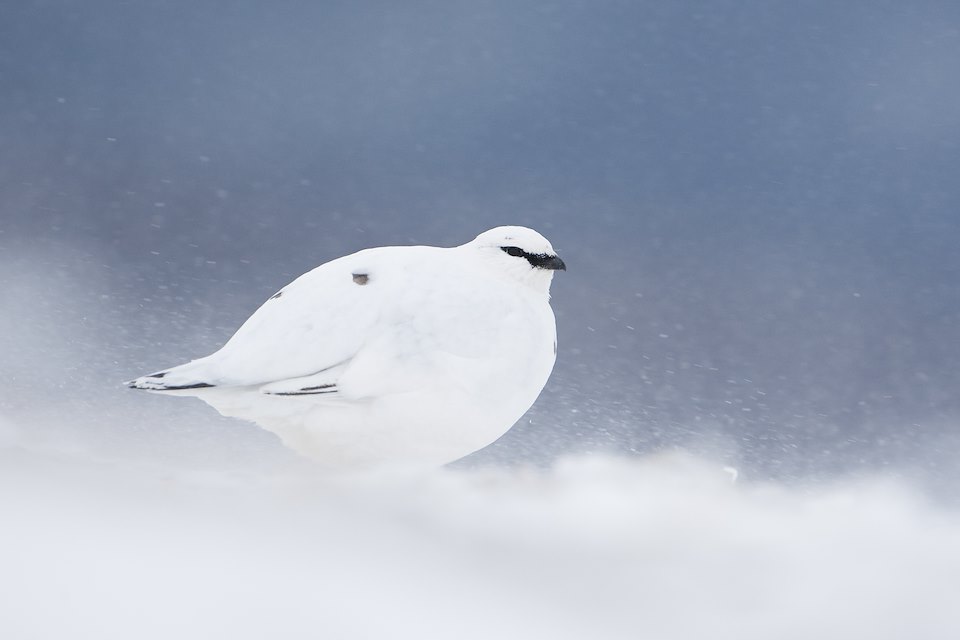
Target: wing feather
<point>314,324</point>
<point>320,321</point>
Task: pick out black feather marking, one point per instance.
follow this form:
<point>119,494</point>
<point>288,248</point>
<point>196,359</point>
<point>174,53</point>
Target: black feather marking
<point>309,391</point>
<point>276,295</point>
<point>361,278</point>
<point>157,375</point>
<point>199,385</point>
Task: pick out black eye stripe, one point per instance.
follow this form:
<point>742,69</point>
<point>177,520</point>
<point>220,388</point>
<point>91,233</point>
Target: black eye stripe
<point>537,260</point>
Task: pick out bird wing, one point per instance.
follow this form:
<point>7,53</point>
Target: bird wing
<point>308,330</point>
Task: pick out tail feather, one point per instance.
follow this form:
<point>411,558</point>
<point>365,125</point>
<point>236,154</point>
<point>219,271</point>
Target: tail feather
<point>173,379</point>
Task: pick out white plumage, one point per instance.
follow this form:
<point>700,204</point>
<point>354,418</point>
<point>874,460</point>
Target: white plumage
<point>391,356</point>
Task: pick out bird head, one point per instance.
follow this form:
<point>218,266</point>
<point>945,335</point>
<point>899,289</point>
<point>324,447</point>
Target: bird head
<point>520,253</point>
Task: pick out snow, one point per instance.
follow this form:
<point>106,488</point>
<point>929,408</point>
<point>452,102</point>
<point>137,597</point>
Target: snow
<point>655,547</point>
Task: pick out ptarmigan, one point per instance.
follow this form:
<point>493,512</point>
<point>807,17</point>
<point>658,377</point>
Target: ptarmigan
<point>394,356</point>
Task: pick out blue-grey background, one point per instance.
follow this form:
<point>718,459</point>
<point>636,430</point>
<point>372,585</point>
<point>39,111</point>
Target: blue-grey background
<point>757,203</point>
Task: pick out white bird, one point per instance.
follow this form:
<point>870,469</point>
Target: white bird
<point>393,356</point>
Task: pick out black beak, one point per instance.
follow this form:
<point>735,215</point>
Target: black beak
<point>553,263</point>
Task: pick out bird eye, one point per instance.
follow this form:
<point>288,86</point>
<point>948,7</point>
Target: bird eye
<point>516,252</point>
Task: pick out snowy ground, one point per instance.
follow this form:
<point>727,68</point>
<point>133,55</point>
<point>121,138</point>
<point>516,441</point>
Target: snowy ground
<point>659,547</point>
<point>125,515</point>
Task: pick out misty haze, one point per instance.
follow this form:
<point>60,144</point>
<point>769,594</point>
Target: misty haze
<point>751,430</point>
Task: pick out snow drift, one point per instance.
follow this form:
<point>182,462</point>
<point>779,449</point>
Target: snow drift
<point>660,547</point>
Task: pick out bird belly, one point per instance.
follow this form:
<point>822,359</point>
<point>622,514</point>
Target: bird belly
<point>460,405</point>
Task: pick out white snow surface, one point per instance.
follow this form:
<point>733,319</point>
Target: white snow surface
<point>664,547</point>
<point>117,524</point>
